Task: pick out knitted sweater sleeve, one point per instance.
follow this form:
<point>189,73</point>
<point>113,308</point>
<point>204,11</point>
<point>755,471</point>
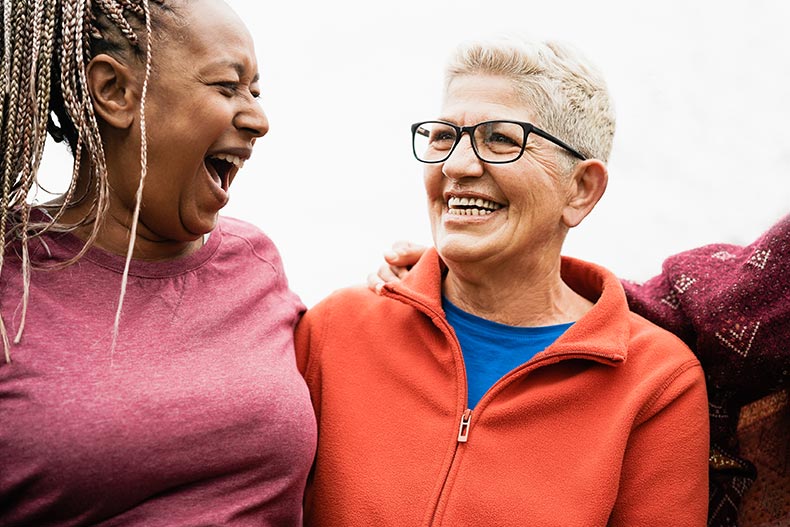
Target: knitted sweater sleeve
<point>730,304</point>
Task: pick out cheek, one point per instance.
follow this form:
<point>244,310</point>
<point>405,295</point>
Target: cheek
<point>432,179</point>
<point>528,189</point>
<point>158,195</point>
<point>171,175</point>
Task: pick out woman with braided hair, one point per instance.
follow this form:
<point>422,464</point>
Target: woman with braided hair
<point>147,374</point>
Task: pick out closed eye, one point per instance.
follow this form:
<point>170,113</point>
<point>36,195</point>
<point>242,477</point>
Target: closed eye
<point>230,88</point>
<point>227,88</point>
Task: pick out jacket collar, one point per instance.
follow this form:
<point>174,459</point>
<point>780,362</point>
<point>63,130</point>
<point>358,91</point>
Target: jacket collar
<point>602,333</point>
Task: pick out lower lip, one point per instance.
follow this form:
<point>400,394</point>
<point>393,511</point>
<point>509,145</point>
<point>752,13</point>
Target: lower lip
<point>221,194</point>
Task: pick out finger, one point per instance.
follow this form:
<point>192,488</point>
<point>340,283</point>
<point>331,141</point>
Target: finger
<point>404,254</point>
<point>402,246</point>
<point>375,283</point>
<point>388,273</point>
<point>399,272</point>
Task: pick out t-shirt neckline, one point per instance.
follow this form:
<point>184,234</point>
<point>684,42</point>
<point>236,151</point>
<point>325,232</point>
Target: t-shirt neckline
<point>71,245</point>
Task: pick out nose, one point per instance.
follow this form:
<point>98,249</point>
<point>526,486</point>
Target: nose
<point>252,119</point>
<point>463,162</point>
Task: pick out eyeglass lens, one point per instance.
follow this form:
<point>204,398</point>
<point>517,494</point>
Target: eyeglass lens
<point>494,141</point>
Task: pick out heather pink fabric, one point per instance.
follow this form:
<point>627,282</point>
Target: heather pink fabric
<point>199,417</point>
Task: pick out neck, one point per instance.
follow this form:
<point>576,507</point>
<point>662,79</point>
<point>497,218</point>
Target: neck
<point>115,227</point>
<point>114,232</point>
<point>529,296</point>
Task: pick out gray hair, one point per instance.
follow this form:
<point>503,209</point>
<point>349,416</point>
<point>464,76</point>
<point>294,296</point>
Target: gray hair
<point>566,93</point>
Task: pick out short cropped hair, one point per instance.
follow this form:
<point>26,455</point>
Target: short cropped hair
<point>565,92</point>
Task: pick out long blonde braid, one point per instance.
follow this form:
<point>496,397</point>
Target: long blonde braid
<point>139,196</point>
<point>17,133</point>
<point>46,75</point>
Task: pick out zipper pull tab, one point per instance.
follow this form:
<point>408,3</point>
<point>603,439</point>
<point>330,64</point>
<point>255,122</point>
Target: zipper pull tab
<point>463,430</point>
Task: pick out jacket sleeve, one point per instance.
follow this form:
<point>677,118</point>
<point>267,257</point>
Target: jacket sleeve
<point>664,479</point>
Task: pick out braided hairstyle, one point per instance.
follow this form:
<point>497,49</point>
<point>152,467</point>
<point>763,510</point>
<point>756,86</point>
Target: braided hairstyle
<point>44,89</point>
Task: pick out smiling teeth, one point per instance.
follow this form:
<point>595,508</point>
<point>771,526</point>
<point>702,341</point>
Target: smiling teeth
<point>234,160</point>
<point>472,206</point>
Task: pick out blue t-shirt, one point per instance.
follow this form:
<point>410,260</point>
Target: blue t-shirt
<point>491,349</point>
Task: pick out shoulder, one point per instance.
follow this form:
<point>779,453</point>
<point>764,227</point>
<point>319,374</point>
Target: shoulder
<point>662,365</point>
<point>250,262</point>
<point>336,316</point>
<point>355,302</point>
<point>356,311</point>
<point>242,239</point>
<point>652,357</point>
<point>657,343</point>
<point>236,228</point>
<point>613,318</point>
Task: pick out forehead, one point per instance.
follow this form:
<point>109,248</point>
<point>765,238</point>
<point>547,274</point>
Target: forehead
<point>470,99</point>
<point>204,31</point>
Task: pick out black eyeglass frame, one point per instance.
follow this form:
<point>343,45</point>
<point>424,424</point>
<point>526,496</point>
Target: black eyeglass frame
<point>527,127</point>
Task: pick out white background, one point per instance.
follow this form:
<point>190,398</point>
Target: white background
<point>701,153</point>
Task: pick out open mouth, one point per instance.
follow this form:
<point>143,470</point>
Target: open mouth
<point>471,206</point>
<point>221,167</point>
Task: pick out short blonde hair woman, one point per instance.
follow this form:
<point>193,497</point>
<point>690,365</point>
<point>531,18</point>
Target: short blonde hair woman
<point>501,383</point>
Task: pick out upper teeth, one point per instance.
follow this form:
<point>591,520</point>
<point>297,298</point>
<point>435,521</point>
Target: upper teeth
<point>235,160</point>
<point>487,206</point>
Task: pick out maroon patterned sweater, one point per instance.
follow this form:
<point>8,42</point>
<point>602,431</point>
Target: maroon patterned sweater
<point>731,305</point>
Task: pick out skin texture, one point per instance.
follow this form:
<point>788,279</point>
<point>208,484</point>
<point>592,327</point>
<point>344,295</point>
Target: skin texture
<point>539,204</point>
<point>201,101</point>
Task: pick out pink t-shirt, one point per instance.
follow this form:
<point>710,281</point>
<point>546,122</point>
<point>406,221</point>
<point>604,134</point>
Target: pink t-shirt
<point>199,417</point>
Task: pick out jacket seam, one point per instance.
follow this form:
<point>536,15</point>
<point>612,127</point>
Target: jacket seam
<point>680,370</point>
<point>252,249</point>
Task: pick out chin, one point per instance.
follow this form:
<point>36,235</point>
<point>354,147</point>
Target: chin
<point>462,249</point>
<point>200,226</point>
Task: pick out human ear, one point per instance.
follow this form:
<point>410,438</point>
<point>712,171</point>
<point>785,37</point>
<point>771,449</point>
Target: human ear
<point>113,90</point>
<point>587,185</point>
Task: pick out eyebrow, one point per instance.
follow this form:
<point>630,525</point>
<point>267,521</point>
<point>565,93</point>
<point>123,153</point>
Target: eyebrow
<point>238,67</point>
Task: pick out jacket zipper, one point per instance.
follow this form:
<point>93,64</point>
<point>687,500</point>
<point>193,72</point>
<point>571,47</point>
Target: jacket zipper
<point>463,436</point>
<point>465,423</point>
<point>463,429</point>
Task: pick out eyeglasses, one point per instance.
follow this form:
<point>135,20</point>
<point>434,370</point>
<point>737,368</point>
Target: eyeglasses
<point>492,141</point>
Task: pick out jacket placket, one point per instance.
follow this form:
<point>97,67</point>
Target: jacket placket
<point>464,422</point>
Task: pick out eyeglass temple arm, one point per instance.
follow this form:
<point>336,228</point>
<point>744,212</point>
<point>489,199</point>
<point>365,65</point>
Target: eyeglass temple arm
<point>548,136</point>
<point>418,129</point>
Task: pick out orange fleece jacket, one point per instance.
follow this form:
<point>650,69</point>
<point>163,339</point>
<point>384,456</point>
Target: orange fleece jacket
<point>606,427</point>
